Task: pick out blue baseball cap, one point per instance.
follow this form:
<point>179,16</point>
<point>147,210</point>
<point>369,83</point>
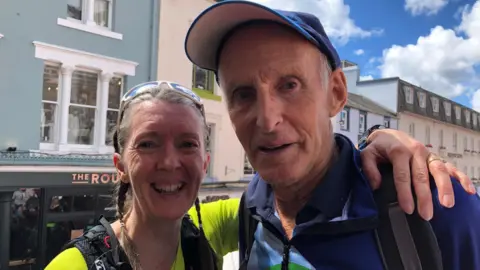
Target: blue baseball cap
<point>207,33</point>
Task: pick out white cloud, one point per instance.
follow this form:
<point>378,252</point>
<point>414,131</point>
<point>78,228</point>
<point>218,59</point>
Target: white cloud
<point>334,15</point>
<point>476,100</point>
<point>427,7</point>
<point>359,52</point>
<point>366,78</point>
<point>444,61</point>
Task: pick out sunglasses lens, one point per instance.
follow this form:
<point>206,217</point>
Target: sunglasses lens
<point>140,88</point>
<point>186,91</point>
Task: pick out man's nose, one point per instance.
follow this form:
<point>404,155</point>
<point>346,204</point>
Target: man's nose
<point>168,158</point>
<point>269,112</point>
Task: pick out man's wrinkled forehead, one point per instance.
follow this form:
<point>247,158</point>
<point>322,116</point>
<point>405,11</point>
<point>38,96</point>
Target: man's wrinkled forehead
<point>257,24</point>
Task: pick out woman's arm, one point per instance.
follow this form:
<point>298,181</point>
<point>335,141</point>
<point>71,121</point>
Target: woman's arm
<point>220,224</point>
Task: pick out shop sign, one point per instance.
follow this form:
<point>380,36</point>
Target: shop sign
<point>95,178</point>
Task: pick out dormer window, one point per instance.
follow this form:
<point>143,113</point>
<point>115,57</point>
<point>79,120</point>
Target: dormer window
<point>408,94</point>
<point>448,108</point>
<point>458,112</point>
<point>421,100</point>
<point>467,116</point>
<point>435,104</point>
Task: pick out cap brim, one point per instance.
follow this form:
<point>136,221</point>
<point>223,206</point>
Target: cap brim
<point>210,27</point>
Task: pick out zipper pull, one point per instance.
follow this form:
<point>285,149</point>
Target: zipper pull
<point>286,256</point>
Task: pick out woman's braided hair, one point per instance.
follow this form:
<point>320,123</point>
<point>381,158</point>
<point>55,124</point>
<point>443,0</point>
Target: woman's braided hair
<point>122,193</point>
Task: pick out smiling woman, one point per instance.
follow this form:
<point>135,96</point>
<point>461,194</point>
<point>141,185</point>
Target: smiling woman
<point>161,156</point>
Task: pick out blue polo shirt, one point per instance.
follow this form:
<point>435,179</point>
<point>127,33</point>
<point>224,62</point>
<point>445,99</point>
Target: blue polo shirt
<point>344,195</point>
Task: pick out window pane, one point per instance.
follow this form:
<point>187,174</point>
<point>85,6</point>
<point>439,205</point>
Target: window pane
<point>74,9</point>
<point>60,233</point>
<point>60,204</point>
<point>201,78</point>
<point>24,226</point>
<point>105,203</point>
<point>101,12</point>
<point>84,203</point>
<point>81,125</point>
<point>47,123</point>
<point>50,83</point>
<point>84,88</point>
<point>114,93</point>
<point>111,123</point>
<point>247,167</point>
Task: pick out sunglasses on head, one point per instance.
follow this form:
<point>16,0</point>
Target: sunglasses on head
<point>164,86</point>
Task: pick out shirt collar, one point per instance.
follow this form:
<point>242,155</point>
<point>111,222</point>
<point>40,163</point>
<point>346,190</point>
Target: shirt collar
<point>329,197</point>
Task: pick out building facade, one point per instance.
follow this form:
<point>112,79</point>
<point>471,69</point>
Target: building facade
<point>358,115</point>
<point>444,126</point>
<point>63,69</point>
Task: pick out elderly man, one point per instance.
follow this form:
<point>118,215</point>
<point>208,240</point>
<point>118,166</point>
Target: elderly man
<point>283,81</point>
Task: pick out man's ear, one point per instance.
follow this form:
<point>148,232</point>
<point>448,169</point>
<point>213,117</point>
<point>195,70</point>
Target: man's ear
<point>117,161</point>
<point>338,94</point>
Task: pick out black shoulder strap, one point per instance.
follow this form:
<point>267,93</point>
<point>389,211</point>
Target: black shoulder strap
<point>197,252</point>
<point>246,231</point>
<point>406,242</point>
<point>99,247</point>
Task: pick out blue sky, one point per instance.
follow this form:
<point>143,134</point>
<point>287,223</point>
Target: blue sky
<point>431,43</point>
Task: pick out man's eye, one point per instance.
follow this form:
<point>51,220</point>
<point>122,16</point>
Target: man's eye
<point>289,85</point>
<point>243,94</point>
<point>190,145</point>
<point>146,145</point>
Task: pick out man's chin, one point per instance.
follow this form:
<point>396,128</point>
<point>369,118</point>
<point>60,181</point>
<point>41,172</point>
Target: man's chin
<point>279,177</point>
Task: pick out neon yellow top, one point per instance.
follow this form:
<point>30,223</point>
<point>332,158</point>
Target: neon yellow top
<point>220,224</point>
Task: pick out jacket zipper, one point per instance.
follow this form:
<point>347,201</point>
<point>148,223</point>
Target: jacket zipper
<point>286,243</point>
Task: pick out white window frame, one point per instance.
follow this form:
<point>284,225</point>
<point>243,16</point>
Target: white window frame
<point>448,108</point>
<point>122,79</point>
<point>467,116</point>
<point>442,143</point>
<point>386,121</point>
<point>455,141</point>
<point>422,98</point>
<point>427,135</point>
<point>472,144</point>
<point>474,119</point>
<point>96,107</point>
<point>344,119</point>
<point>88,24</point>
<point>70,60</point>
<point>247,164</point>
<point>411,130</point>
<point>458,112</point>
<point>465,143</point>
<point>408,90</point>
<point>57,104</point>
<point>362,122</point>
<point>435,104</point>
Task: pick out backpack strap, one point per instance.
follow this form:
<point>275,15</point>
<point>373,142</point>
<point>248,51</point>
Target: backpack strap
<point>197,252</point>
<point>405,241</point>
<point>99,247</point>
<point>248,226</point>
